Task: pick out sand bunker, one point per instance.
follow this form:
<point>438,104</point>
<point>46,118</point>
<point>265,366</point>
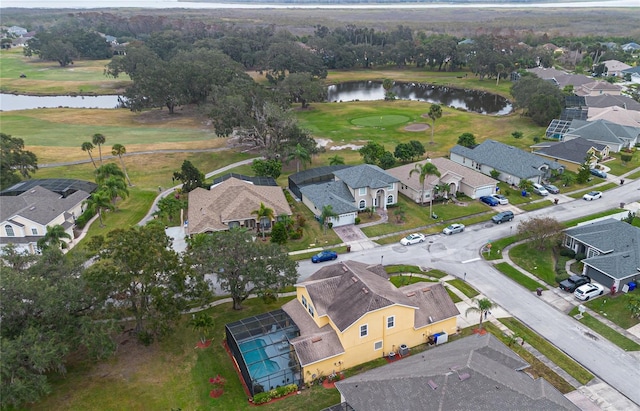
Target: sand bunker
<point>417,127</point>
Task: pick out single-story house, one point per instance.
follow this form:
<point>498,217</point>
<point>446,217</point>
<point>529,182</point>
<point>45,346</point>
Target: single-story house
<point>561,78</point>
<point>614,68</point>
<point>615,114</point>
<point>572,153</point>
<point>615,136</point>
<point>632,74</point>
<point>630,47</point>
<point>612,250</point>
<point>513,164</point>
<point>605,100</point>
<point>231,202</point>
<point>458,177</point>
<point>24,217</point>
<point>351,190</point>
<point>596,88</point>
<point>473,373</point>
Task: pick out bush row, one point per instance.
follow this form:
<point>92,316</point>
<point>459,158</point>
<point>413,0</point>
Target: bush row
<point>278,392</point>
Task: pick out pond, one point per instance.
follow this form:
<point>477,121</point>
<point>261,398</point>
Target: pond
<point>470,100</point>
<point>12,102</point>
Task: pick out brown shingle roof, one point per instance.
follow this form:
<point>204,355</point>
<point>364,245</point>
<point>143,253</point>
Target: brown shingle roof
<point>433,302</point>
<point>231,200</point>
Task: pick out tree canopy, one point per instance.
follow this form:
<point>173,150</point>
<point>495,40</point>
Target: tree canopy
<point>190,177</point>
<point>16,163</point>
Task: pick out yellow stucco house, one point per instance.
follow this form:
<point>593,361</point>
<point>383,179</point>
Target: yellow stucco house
<point>350,313</point>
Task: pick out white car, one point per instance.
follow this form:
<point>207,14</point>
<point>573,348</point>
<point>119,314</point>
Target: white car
<point>453,228</point>
<point>502,200</point>
<point>593,195</point>
<point>412,239</point>
<point>540,190</point>
<point>584,292</point>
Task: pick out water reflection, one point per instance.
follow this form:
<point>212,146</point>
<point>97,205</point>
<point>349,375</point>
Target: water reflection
<point>470,100</point>
<point>11,102</point>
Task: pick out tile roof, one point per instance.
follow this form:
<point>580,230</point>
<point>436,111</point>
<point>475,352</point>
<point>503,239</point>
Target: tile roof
<point>615,114</point>
<point>231,200</point>
<point>365,175</point>
<point>603,131</point>
<point>596,86</point>
<point>446,167</point>
<point>615,65</point>
<point>618,242</point>
<point>433,302</point>
<point>507,159</point>
<point>348,290</point>
<point>39,204</point>
<point>333,193</point>
<point>574,150</point>
<point>473,373</point>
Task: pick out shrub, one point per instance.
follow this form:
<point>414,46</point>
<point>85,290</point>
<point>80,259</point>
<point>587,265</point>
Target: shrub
<point>278,392</point>
<point>580,256</point>
<point>357,221</point>
<point>301,221</point>
<point>561,277</point>
<point>296,235</point>
<point>84,218</point>
<point>261,398</point>
<point>567,252</point>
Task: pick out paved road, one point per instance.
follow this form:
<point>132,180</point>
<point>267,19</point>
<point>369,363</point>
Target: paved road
<point>458,254</point>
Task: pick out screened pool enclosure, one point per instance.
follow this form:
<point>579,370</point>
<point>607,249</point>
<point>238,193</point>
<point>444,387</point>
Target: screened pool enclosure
<point>260,347</point>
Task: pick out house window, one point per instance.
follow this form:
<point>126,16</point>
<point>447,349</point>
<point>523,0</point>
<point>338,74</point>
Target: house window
<point>390,199</point>
<point>311,310</point>
<point>265,223</point>
<point>34,231</point>
<point>362,205</point>
<point>9,231</point>
<point>362,191</point>
<point>233,224</point>
<point>377,345</point>
<point>304,301</point>
<point>391,321</point>
<point>364,330</point>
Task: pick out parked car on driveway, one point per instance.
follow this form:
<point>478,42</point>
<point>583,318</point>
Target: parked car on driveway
<point>489,200</point>
<point>551,188</point>
<point>573,282</point>
<point>413,239</point>
<point>598,173</point>
<point>540,190</point>
<point>502,217</point>
<point>584,292</point>
<point>325,255</point>
<point>453,228</point>
<point>592,195</point>
<point>502,200</point>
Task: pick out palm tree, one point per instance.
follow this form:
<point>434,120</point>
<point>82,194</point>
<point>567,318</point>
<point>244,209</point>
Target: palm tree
<point>99,201</point>
<point>327,212</point>
<point>53,237</point>
<point>483,306</point>
<point>115,187</point>
<point>300,154</point>
<point>336,160</point>
<point>263,213</point>
<point>88,146</point>
<point>424,170</point>
<point>99,140</point>
<point>119,150</point>
<point>202,322</point>
<point>103,173</point>
<point>435,112</point>
<point>499,69</point>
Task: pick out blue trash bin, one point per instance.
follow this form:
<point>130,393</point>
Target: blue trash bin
<point>632,286</point>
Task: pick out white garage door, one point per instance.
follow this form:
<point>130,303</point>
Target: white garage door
<point>484,191</point>
<point>345,219</point>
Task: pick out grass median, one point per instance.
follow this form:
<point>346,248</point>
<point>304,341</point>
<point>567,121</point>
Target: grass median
<point>607,332</point>
<point>525,281</point>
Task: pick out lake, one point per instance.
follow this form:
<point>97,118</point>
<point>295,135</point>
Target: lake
<point>12,102</point>
<point>470,100</point>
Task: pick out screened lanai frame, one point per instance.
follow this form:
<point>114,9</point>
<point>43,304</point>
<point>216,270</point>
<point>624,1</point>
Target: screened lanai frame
<point>260,346</point>
<point>313,176</point>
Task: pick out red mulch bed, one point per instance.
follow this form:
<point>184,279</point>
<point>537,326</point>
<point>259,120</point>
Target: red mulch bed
<point>331,384</point>
<point>479,331</point>
<point>396,357</point>
<point>205,344</point>
<point>216,393</point>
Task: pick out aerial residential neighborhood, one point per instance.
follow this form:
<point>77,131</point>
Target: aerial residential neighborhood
<point>239,208</point>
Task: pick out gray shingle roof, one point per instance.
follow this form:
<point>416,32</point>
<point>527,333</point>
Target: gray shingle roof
<point>618,241</point>
<point>507,159</point>
<point>574,150</point>
<point>494,381</point>
<point>39,204</point>
<point>365,175</point>
<point>607,100</point>
<point>433,302</point>
<point>603,131</point>
<point>333,193</point>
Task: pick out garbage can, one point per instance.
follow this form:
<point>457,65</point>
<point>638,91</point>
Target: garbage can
<point>621,205</point>
<point>539,291</point>
<point>348,248</point>
<point>632,286</point>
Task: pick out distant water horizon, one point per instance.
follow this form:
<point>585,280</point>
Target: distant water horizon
<point>175,4</point>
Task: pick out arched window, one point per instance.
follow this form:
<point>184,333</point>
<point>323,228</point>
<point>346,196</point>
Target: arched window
<point>9,230</point>
<point>362,205</point>
<point>390,199</point>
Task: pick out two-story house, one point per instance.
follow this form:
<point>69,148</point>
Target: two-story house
<point>351,190</point>
<point>344,315</point>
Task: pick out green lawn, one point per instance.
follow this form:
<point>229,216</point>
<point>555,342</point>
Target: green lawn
<point>464,287</point>
<point>537,262</point>
<point>500,244</point>
<point>606,331</point>
<point>527,282</point>
<point>558,357</point>
<point>614,308</point>
<point>408,269</point>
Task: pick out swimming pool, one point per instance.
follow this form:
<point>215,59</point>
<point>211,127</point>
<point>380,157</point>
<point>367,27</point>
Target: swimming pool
<point>256,358</point>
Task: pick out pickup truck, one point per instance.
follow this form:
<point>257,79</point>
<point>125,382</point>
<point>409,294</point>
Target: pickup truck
<point>573,282</point>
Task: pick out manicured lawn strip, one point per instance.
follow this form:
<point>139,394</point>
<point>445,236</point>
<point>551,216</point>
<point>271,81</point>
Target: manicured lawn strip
<point>552,353</point>
<point>454,297</point>
<point>537,368</point>
<point>402,269</point>
<point>528,283</point>
<point>635,175</point>
<point>602,188</point>
<point>537,262</point>
<point>537,205</point>
<point>573,223</point>
<point>463,287</point>
<point>402,280</point>
<point>606,331</point>
<point>619,168</point>
<point>500,244</point>
<point>614,308</point>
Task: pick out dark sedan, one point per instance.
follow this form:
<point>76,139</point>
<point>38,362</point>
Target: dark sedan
<point>324,256</point>
<point>551,188</point>
<point>492,201</point>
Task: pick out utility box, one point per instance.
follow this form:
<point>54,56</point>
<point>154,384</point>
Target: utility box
<point>441,338</point>
<point>404,350</point>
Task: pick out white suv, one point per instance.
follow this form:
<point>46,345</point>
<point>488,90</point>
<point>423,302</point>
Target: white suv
<point>540,190</point>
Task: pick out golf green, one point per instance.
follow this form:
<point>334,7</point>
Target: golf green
<point>380,121</point>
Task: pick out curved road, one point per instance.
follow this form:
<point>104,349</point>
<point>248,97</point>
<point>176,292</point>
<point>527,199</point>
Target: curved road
<point>458,254</point>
